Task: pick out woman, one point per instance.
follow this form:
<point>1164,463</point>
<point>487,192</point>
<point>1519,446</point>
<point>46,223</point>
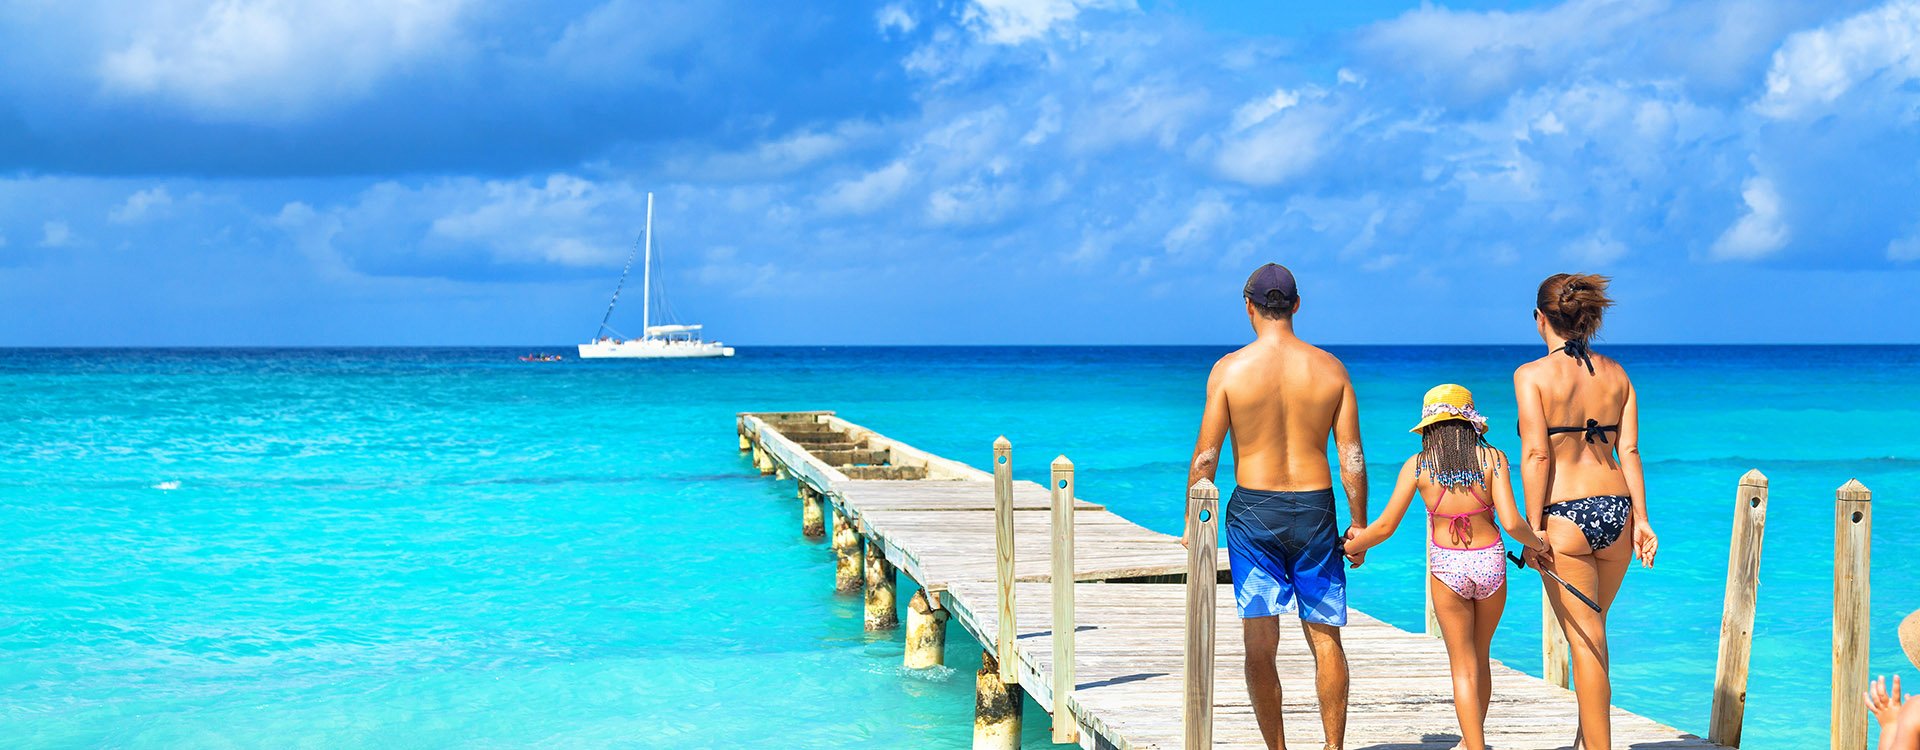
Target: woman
<point>1580,465</point>
<point>1464,483</point>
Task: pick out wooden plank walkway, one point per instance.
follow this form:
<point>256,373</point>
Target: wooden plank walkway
<point>933,518</point>
<point>1128,672</point>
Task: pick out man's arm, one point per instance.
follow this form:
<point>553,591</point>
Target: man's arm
<point>1213,431</point>
<point>1353,459</point>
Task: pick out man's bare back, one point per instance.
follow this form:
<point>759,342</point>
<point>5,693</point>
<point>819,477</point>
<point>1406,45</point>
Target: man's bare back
<point>1282,396</point>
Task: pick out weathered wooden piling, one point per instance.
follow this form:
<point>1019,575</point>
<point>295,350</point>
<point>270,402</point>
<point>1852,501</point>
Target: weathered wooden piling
<point>813,524</point>
<point>996,707</point>
<point>847,576</point>
<point>881,612</point>
<point>926,632</point>
<point>1556,657</point>
<point>1065,729</point>
<point>1202,538</point>
<point>1736,619</point>
<point>1852,552</point>
<point>1003,555</point>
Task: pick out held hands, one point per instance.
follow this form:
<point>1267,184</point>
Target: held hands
<point>1538,559</point>
<point>1884,704</point>
<point>1353,546</point>
<point>1645,543</point>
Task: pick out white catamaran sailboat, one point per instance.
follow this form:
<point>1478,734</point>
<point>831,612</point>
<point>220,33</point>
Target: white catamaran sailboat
<point>656,341</point>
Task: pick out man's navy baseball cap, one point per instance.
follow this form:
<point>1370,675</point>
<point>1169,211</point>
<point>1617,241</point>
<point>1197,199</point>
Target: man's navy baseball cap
<point>1271,286</point>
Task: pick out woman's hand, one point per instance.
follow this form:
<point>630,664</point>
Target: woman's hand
<point>1884,704</point>
<point>1543,557</point>
<point>1645,543</point>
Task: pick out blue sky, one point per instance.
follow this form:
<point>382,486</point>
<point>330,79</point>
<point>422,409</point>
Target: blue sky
<point>286,172</point>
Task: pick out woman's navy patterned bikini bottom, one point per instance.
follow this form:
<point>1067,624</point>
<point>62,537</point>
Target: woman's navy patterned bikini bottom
<point>1601,518</point>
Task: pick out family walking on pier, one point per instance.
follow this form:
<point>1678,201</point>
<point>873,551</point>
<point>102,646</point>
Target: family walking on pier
<point>1283,400</point>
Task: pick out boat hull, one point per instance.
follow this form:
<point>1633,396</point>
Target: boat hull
<point>654,349</point>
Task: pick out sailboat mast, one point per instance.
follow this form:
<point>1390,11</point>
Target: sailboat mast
<point>646,286</point>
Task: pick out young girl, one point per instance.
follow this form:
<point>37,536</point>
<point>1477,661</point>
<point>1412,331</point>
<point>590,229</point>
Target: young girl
<point>1464,482</point>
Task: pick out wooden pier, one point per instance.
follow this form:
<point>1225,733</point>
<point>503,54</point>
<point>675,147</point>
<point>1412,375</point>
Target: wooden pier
<point>1128,601</point>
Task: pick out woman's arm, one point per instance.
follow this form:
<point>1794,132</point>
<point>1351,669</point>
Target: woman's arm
<point>1645,543</point>
<point>1503,505</point>
<point>1389,520</point>
<point>1536,454</point>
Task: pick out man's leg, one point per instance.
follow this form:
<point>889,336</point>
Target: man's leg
<point>1330,680</point>
<point>1262,636</point>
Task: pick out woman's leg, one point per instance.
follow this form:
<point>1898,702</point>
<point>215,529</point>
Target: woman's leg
<point>1576,563</point>
<point>1458,631</point>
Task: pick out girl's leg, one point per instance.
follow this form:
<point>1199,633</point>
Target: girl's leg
<point>1486,619</point>
<point>1458,630</point>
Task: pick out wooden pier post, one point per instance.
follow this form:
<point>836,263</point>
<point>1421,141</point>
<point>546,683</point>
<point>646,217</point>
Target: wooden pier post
<point>813,524</point>
<point>1852,552</point>
<point>1003,558</point>
<point>846,554</point>
<point>1065,728</point>
<point>882,614</point>
<point>761,460</point>
<point>996,707</point>
<point>1736,620</point>
<point>1203,534</point>
<point>926,632</point>
<point>745,444</point>
<point>1556,657</point>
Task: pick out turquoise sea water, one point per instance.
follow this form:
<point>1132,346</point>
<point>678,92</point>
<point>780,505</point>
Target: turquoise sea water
<point>436,548</point>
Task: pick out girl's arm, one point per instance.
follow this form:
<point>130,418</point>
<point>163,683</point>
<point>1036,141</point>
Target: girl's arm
<point>1389,519</point>
<point>1503,505</point>
<point>1536,454</point>
<point>1645,543</point>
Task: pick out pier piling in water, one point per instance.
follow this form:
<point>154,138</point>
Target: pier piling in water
<point>847,576</point>
<point>1202,537</point>
<point>996,707</point>
<point>1003,555</point>
<point>1736,620</point>
<point>1852,548</point>
<point>1065,730</point>
<point>926,633</point>
<point>813,524</point>
<point>881,612</point>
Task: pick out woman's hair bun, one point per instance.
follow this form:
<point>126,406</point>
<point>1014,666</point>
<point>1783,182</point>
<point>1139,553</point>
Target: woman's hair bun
<point>1574,303</point>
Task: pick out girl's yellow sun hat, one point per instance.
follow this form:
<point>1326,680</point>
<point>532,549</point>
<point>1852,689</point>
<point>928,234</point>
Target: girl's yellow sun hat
<point>1449,401</point>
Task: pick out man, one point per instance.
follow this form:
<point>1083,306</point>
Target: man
<point>1281,398</point>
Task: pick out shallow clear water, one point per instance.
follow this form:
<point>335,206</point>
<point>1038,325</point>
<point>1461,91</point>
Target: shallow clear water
<point>423,548</point>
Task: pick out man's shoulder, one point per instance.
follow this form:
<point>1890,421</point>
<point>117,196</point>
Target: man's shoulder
<point>1322,358</point>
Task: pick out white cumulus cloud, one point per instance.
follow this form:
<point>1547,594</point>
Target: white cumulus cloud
<point>1016,21</point>
<point>1759,232</point>
<point>143,204</point>
<point>55,234</point>
<point>274,60</point>
<point>1814,68</point>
